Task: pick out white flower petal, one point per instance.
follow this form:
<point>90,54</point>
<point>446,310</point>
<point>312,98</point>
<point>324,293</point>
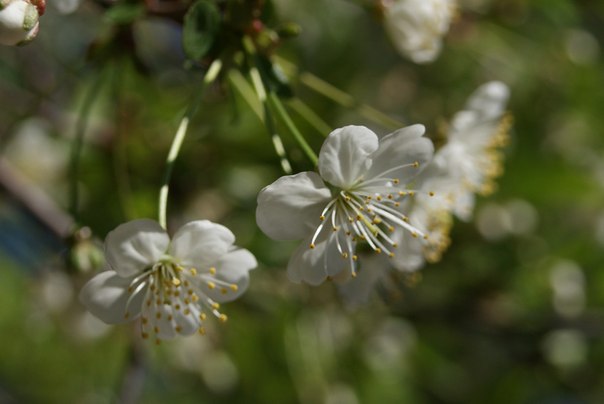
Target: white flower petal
<point>106,296</point>
<point>489,99</point>
<point>164,326</point>
<point>131,247</point>
<point>290,207</point>
<point>201,243</point>
<point>344,156</point>
<point>314,265</point>
<point>233,268</point>
<point>409,254</point>
<point>402,147</point>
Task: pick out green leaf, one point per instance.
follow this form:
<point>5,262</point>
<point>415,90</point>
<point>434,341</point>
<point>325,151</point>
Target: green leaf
<point>124,13</point>
<point>201,25</point>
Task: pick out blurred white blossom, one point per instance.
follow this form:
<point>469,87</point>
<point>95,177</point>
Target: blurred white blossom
<point>169,283</point>
<point>416,27</point>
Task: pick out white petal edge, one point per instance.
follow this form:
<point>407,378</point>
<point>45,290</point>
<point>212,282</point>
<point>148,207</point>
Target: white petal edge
<point>344,156</point>
<point>201,243</point>
<point>290,207</point>
<point>133,246</point>
<point>402,147</point>
<point>106,296</point>
<point>314,265</point>
<point>233,268</point>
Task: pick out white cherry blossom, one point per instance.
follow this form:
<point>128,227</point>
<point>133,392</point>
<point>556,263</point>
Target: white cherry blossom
<point>170,284</point>
<point>416,27</point>
<point>354,199</point>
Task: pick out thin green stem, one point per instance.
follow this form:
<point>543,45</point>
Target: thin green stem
<point>78,143</point>
<point>179,137</point>
<point>340,97</point>
<point>282,112</point>
<point>310,116</point>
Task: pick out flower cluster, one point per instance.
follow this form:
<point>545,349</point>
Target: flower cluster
<point>416,27</point>
<point>19,20</point>
<point>169,284</point>
<point>464,166</point>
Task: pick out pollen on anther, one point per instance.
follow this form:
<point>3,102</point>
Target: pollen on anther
<point>354,257</point>
<point>212,271</point>
<point>311,246</point>
<point>391,255</point>
<point>158,315</point>
<point>193,271</point>
<point>177,307</point>
<point>178,329</point>
<point>202,316</point>
<point>144,335</point>
<point>234,287</point>
<point>414,234</point>
<point>322,217</point>
<point>378,250</point>
<point>211,285</point>
<point>431,193</point>
<point>201,331</point>
<point>194,298</point>
<point>144,320</point>
<point>223,318</point>
<point>223,291</point>
<point>415,164</point>
<point>170,317</point>
<point>215,306</point>
<point>396,181</point>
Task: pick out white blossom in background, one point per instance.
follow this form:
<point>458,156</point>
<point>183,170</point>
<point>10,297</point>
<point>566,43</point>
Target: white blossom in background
<point>357,197</point>
<point>19,21</point>
<point>416,27</point>
<point>472,158</point>
<point>170,284</point>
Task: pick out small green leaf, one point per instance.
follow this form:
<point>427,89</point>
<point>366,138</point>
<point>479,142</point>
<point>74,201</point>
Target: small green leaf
<point>201,24</point>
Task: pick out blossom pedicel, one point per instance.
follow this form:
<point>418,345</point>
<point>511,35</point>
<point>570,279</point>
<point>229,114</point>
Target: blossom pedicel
<point>170,284</point>
<point>356,198</point>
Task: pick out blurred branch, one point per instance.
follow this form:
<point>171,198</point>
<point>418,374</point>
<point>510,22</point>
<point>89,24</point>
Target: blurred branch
<point>35,200</point>
<point>134,374</point>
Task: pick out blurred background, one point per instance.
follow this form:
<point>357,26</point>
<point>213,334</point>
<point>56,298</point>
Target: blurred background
<point>514,312</point>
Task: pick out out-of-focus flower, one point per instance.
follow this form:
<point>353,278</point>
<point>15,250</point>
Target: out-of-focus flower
<point>19,21</point>
<point>366,180</point>
<point>170,284</point>
<point>416,27</point>
<point>472,156</point>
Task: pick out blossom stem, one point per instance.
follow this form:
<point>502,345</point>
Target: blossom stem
<point>342,98</point>
<point>282,112</point>
<point>179,137</point>
<point>310,116</point>
<point>78,143</point>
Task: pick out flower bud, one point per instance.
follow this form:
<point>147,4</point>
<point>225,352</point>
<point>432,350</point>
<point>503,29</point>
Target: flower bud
<point>19,21</point>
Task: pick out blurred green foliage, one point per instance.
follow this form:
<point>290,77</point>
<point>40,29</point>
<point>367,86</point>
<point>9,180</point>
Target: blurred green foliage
<point>512,314</point>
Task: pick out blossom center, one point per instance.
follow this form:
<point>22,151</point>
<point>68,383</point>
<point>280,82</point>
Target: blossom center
<point>176,297</point>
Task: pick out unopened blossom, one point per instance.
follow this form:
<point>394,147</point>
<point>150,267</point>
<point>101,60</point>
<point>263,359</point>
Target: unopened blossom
<point>356,198</point>
<point>416,27</point>
<point>472,158</point>
<point>19,20</point>
<point>171,284</point>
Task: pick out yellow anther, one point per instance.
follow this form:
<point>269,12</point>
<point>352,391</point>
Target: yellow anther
<point>178,329</point>
<point>402,193</point>
<point>148,302</point>
<point>234,287</point>
<point>177,307</point>
<point>202,316</point>
<point>322,217</point>
<point>187,301</point>
<point>415,164</point>
<point>411,193</point>
<point>414,234</point>
<point>156,329</point>
<point>144,320</point>
<point>378,250</point>
<point>193,271</point>
<point>312,245</point>
<point>431,193</point>
<point>144,335</point>
<point>391,255</point>
<point>187,311</point>
<point>158,315</point>
<point>377,220</point>
<point>170,317</point>
<point>215,306</point>
<point>212,271</point>
<point>344,255</point>
<point>223,291</point>
<point>396,181</point>
<point>354,274</point>
<point>223,318</point>
<point>211,285</point>
<point>354,257</point>
<point>201,331</point>
<point>194,298</point>
<point>152,288</point>
<point>186,283</point>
